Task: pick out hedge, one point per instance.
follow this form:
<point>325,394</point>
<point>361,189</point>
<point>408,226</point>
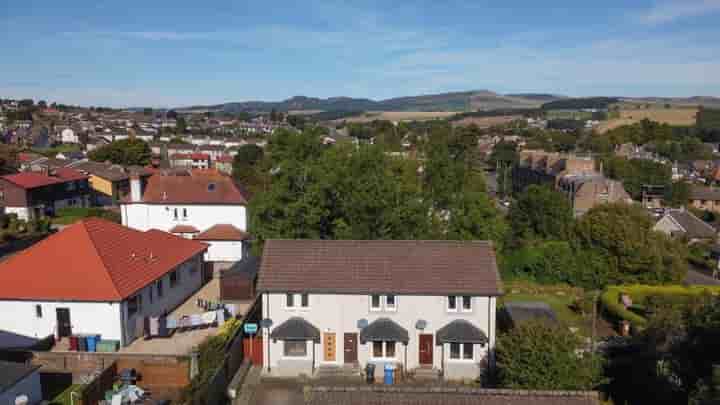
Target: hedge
<point>677,294</point>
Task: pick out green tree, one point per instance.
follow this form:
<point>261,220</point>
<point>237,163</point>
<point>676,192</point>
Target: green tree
<point>541,212</point>
<point>622,235</point>
<point>538,356</point>
<point>126,152</point>
<point>677,194</point>
<point>246,169</point>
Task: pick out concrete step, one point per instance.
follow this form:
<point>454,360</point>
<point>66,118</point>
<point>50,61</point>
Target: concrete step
<point>425,374</point>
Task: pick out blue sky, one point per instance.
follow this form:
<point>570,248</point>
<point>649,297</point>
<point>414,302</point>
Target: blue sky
<point>175,53</point>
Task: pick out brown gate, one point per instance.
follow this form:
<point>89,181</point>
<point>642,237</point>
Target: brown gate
<point>426,349</point>
<point>253,349</point>
<point>350,348</point>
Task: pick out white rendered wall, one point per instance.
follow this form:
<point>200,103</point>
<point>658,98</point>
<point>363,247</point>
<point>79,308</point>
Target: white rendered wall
<point>156,216</point>
<point>224,251</point>
<point>85,317</point>
<point>340,313</point>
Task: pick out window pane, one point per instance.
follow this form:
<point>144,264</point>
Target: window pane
<point>377,349</point>
<point>468,351</point>
<point>467,302</point>
<point>295,348</point>
<point>304,300</point>
<point>289,300</point>
<point>38,311</point>
<point>454,350</point>
<point>390,301</point>
<point>451,302</point>
<point>390,349</point>
<point>375,301</point>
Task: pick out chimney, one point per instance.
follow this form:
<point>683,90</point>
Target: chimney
<point>135,188</point>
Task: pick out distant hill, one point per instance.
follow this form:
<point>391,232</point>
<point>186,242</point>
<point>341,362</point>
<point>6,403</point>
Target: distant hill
<point>456,101</point>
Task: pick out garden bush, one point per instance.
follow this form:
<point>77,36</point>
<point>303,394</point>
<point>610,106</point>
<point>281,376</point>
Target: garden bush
<point>644,297</point>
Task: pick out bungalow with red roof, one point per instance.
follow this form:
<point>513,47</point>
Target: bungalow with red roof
<point>97,277</point>
<point>32,195</point>
<point>199,204</point>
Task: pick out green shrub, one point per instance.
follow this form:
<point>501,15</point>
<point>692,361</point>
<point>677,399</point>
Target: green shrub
<point>646,298</point>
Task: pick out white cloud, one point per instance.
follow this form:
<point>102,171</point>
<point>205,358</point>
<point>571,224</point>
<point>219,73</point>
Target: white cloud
<point>672,10</point>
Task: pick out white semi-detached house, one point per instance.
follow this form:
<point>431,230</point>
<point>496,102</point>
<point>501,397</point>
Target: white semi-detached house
<point>97,277</point>
<point>420,305</point>
<point>196,204</point>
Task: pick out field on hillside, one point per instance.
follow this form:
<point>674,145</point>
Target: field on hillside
<point>487,122</point>
<point>681,116</point>
<point>400,116</point>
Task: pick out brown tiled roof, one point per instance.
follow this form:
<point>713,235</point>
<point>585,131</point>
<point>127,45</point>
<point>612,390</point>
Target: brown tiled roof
<point>337,395</point>
<point>382,266</point>
<point>184,229</point>
<point>110,171</point>
<point>93,260</point>
<point>695,228</point>
<point>200,187</point>
<point>223,232</point>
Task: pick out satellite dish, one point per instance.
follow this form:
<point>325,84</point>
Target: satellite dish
<point>420,324</point>
<point>362,323</point>
<point>266,323</point>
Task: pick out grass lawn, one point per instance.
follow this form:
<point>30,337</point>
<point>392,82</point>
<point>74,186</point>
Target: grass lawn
<point>560,299</point>
<point>63,398</point>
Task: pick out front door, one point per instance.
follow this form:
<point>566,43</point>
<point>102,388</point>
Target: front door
<point>350,348</point>
<point>426,350</point>
<point>329,347</point>
<point>63,322</point>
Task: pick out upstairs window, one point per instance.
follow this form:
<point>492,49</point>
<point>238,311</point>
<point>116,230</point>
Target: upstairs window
<point>375,304</point>
<point>175,214</point>
<point>134,305</point>
<point>184,213</point>
<point>290,300</point>
<point>304,300</point>
<point>38,311</point>
<point>467,303</point>
<point>174,278</point>
<point>452,303</point>
<point>390,303</point>
<point>159,287</point>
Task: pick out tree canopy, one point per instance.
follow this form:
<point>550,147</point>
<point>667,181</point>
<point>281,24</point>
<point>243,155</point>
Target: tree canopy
<point>538,356</point>
<point>540,212</point>
<point>126,152</point>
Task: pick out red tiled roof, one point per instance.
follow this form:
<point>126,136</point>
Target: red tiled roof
<point>35,179</point>
<point>380,266</point>
<point>188,156</point>
<point>184,229</point>
<point>224,159</point>
<point>223,232</point>
<point>200,187</point>
<point>93,260</point>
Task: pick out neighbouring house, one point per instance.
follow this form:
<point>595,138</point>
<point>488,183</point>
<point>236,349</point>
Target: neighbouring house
<point>97,277</point>
<point>683,224</point>
<point>193,160</point>
<point>31,195</point>
<point>19,380</point>
<point>109,182</point>
<point>705,198</point>
<point>68,135</point>
<point>199,204</point>
<point>585,191</point>
<point>426,305</point>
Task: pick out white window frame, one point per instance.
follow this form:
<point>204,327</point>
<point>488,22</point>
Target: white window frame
<point>447,304</point>
<point>384,351</point>
<point>461,353</point>
<point>462,303</point>
<point>380,303</point>
<point>296,302</point>
<point>305,357</point>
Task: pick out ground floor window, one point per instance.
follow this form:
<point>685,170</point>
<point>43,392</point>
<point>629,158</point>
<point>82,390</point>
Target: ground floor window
<point>461,351</point>
<point>295,348</point>
<point>384,349</point>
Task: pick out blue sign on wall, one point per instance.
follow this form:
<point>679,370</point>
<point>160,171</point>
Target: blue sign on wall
<point>250,328</point>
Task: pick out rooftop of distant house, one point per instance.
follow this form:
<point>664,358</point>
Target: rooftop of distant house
<point>30,180</point>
